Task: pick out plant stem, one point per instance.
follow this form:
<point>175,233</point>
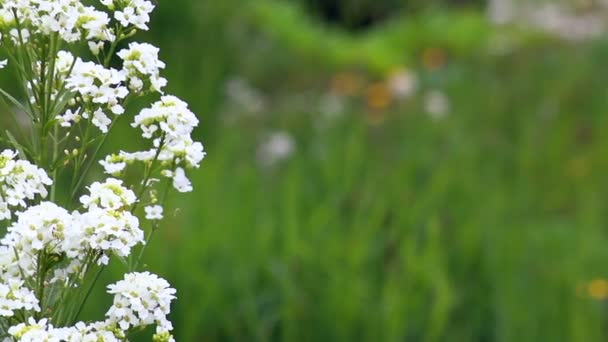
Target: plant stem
<point>88,293</point>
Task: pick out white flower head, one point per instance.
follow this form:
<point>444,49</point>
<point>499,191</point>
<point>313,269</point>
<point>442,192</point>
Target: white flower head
<point>154,212</point>
<point>20,181</point>
<point>276,147</point>
<point>181,183</point>
<point>141,299</point>
<point>134,13</point>
<point>142,65</point>
<point>109,231</point>
<point>108,195</point>
<point>437,104</point>
<point>114,164</point>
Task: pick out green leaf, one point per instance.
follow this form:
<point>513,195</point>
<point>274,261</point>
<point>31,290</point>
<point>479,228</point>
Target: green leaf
<point>22,149</point>
<point>14,101</point>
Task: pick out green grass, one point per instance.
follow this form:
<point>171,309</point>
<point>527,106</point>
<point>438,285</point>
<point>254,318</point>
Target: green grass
<point>486,226</point>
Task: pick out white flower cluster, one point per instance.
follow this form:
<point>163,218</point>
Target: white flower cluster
<point>108,195</point>
<point>131,12</point>
<point>36,331</point>
<point>52,247</point>
<point>142,67</point>
<point>169,124</point>
<point>20,181</point>
<point>98,87</point>
<point>43,227</point>
<point>70,19</point>
<point>14,296</point>
<point>141,299</point>
<point>108,225</point>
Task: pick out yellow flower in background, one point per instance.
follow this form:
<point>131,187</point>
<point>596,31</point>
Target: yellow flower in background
<point>346,84</point>
<point>378,96</point>
<point>598,289</point>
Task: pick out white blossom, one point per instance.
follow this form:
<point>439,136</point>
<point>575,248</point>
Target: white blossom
<point>141,64</point>
<point>19,181</point>
<point>131,13</point>
<point>276,147</point>
<point>141,299</point>
<point>109,231</point>
<point>70,19</point>
<point>180,182</point>
<point>154,212</point>
<point>437,104</point>
<point>15,296</point>
<point>113,164</point>
<point>100,88</point>
<point>108,195</point>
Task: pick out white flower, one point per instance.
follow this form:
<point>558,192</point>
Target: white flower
<point>108,195</point>
<point>94,24</point>
<point>64,62</point>
<point>95,47</point>
<point>41,227</point>
<point>69,117</point>
<point>277,147</point>
<point>154,212</point>
<point>141,299</point>
<point>437,104</point>
<point>19,181</point>
<point>100,88</point>
<point>169,116</point>
<point>134,13</point>
<point>70,19</point>
<point>141,64</point>
<point>3,63</point>
<point>181,183</point>
<point>109,231</point>
<point>15,296</point>
<point>34,331</point>
<point>403,83</point>
<point>169,123</point>
<point>101,121</point>
<point>94,332</point>
<point>114,164</point>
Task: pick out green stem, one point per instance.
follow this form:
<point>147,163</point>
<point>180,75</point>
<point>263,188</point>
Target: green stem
<point>87,295</point>
<point>55,155</point>
<point>84,173</point>
<point>152,229</point>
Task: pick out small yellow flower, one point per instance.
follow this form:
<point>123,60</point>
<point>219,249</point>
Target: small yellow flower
<point>378,96</point>
<point>598,289</point>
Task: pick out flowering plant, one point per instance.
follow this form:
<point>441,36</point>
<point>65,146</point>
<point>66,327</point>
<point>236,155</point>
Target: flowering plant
<point>59,232</point>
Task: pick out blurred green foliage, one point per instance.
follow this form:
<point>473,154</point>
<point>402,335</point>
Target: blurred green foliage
<point>356,15</point>
<point>385,224</point>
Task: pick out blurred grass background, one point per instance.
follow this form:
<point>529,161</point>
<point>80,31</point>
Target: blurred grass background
<point>384,171</point>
